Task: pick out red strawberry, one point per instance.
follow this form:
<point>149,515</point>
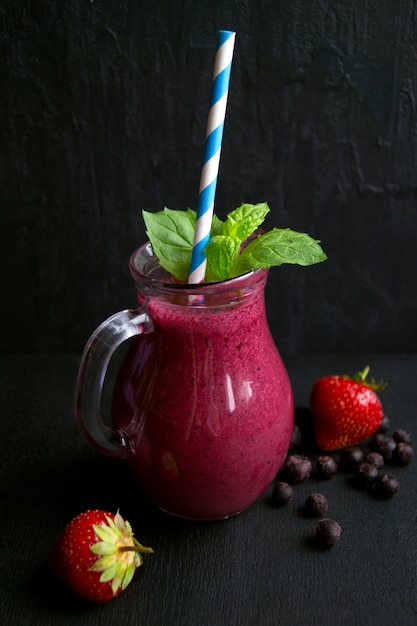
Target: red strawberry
<point>345,410</point>
<point>96,555</point>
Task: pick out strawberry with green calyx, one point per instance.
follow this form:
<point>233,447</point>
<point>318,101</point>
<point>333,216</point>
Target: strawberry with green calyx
<point>96,555</point>
<point>345,410</point>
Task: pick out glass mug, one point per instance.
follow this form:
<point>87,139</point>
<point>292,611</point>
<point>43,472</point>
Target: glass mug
<point>202,404</point>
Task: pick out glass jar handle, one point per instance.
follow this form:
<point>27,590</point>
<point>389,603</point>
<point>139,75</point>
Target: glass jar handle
<point>91,375</point>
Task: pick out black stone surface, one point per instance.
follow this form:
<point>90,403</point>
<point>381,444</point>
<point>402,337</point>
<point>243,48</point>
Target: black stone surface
<point>261,567</point>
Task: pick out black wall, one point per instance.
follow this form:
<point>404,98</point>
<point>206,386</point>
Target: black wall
<point>103,112</point>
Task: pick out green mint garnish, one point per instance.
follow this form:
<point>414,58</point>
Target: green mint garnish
<point>171,234</point>
<point>228,253</point>
<point>242,222</point>
<point>278,246</point>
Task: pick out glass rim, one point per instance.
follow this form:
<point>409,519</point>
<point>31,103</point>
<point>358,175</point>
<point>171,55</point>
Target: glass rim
<point>236,282</point>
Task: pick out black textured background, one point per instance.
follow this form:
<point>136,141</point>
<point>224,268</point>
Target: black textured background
<point>103,108</point>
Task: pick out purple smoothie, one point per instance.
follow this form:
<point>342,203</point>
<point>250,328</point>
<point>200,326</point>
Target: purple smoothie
<point>206,402</point>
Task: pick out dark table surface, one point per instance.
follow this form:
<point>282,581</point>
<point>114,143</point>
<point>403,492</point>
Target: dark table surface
<point>257,568</point>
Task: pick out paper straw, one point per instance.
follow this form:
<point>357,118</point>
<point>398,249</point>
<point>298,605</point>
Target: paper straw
<point>212,149</point>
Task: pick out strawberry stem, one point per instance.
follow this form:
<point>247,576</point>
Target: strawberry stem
<point>135,548</point>
<point>362,377</point>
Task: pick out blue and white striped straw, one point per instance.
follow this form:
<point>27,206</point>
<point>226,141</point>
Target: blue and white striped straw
<point>212,149</point>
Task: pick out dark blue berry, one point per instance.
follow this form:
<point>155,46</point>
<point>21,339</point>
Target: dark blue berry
<point>375,459</point>
<point>385,424</point>
<point>297,468</point>
<point>316,505</point>
<point>401,435</point>
<point>303,418</point>
<point>350,458</point>
<point>282,494</point>
<point>326,467</point>
<point>296,437</point>
<point>384,445</point>
<point>327,533</point>
<point>365,474</point>
<point>386,486</point>
<point>403,453</point>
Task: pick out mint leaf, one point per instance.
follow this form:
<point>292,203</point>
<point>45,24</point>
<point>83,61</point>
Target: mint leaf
<point>276,247</point>
<point>171,234</point>
<point>241,222</point>
<point>216,226</point>
<point>221,252</point>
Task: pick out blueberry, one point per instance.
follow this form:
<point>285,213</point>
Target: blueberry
<point>365,474</point>
<point>326,466</point>
<point>384,445</point>
<point>296,437</point>
<point>385,424</point>
<point>350,458</point>
<point>401,435</point>
<point>386,486</point>
<point>327,533</point>
<point>316,505</point>
<point>377,441</point>
<point>303,418</point>
<point>375,459</point>
<point>282,494</point>
<point>403,453</point>
<point>297,468</point>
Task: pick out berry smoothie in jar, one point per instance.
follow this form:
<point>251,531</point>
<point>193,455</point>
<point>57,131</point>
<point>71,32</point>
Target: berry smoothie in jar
<point>204,399</point>
<point>202,404</point>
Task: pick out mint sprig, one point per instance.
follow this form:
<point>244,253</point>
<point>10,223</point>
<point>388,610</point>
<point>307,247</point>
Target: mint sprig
<point>171,234</point>
<point>235,245</point>
<point>243,221</point>
<point>278,246</point>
